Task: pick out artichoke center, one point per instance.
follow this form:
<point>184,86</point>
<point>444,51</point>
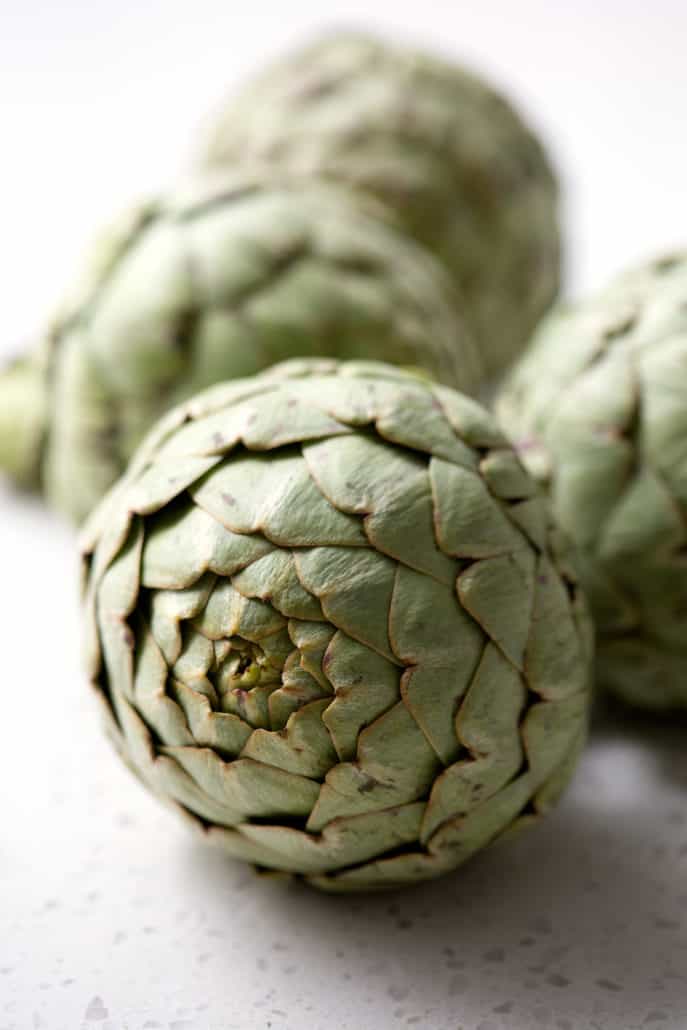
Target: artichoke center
<point>245,676</point>
<point>243,665</point>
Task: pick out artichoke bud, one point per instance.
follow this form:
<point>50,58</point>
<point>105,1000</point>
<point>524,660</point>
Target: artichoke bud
<point>220,279</point>
<point>359,649</point>
<point>597,412</point>
<point>448,156</point>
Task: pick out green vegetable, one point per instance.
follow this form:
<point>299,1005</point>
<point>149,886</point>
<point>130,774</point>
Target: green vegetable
<point>598,412</point>
<point>219,280</point>
<point>329,621</point>
<point>452,159</point>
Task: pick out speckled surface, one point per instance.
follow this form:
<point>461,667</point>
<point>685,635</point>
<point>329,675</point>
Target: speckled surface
<point>112,918</point>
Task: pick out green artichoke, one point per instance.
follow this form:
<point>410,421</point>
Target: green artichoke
<point>598,411</point>
<point>454,161</point>
<point>219,280</point>
<point>329,621</point>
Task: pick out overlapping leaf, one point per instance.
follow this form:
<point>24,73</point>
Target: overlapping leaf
<point>348,657</point>
<point>450,158</point>
<point>598,411</point>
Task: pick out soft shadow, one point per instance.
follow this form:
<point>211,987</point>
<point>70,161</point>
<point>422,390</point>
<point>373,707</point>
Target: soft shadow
<point>661,737</point>
<point>579,923</point>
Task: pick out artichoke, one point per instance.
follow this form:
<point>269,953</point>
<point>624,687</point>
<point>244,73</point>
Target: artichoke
<point>219,280</point>
<point>454,161</point>
<point>328,620</point>
<point>598,411</point>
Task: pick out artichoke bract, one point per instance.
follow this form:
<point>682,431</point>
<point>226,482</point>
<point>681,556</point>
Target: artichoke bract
<point>449,155</point>
<point>598,412</point>
<point>330,622</point>
<point>217,281</point>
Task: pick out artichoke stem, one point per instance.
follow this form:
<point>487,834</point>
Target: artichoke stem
<point>22,421</point>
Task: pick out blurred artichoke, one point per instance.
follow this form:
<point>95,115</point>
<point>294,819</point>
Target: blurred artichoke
<point>598,412</point>
<point>210,284</point>
<point>329,621</point>
<point>450,156</point>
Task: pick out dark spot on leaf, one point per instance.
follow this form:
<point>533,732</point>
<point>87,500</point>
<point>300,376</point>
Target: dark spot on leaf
<point>367,785</point>
<point>621,328</point>
<point>665,264</point>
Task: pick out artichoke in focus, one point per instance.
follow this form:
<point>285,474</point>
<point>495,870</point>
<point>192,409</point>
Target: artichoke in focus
<point>449,155</point>
<point>329,621</point>
<point>217,281</point>
<point>598,412</point>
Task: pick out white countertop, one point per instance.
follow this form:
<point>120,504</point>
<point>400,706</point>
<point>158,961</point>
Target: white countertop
<point>111,917</point>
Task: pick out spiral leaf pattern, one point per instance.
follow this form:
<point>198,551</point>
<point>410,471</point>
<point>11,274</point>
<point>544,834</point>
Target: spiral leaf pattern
<point>329,620</point>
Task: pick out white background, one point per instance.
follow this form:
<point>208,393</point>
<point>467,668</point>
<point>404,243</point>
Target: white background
<point>101,101</point>
<point>109,916</point>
